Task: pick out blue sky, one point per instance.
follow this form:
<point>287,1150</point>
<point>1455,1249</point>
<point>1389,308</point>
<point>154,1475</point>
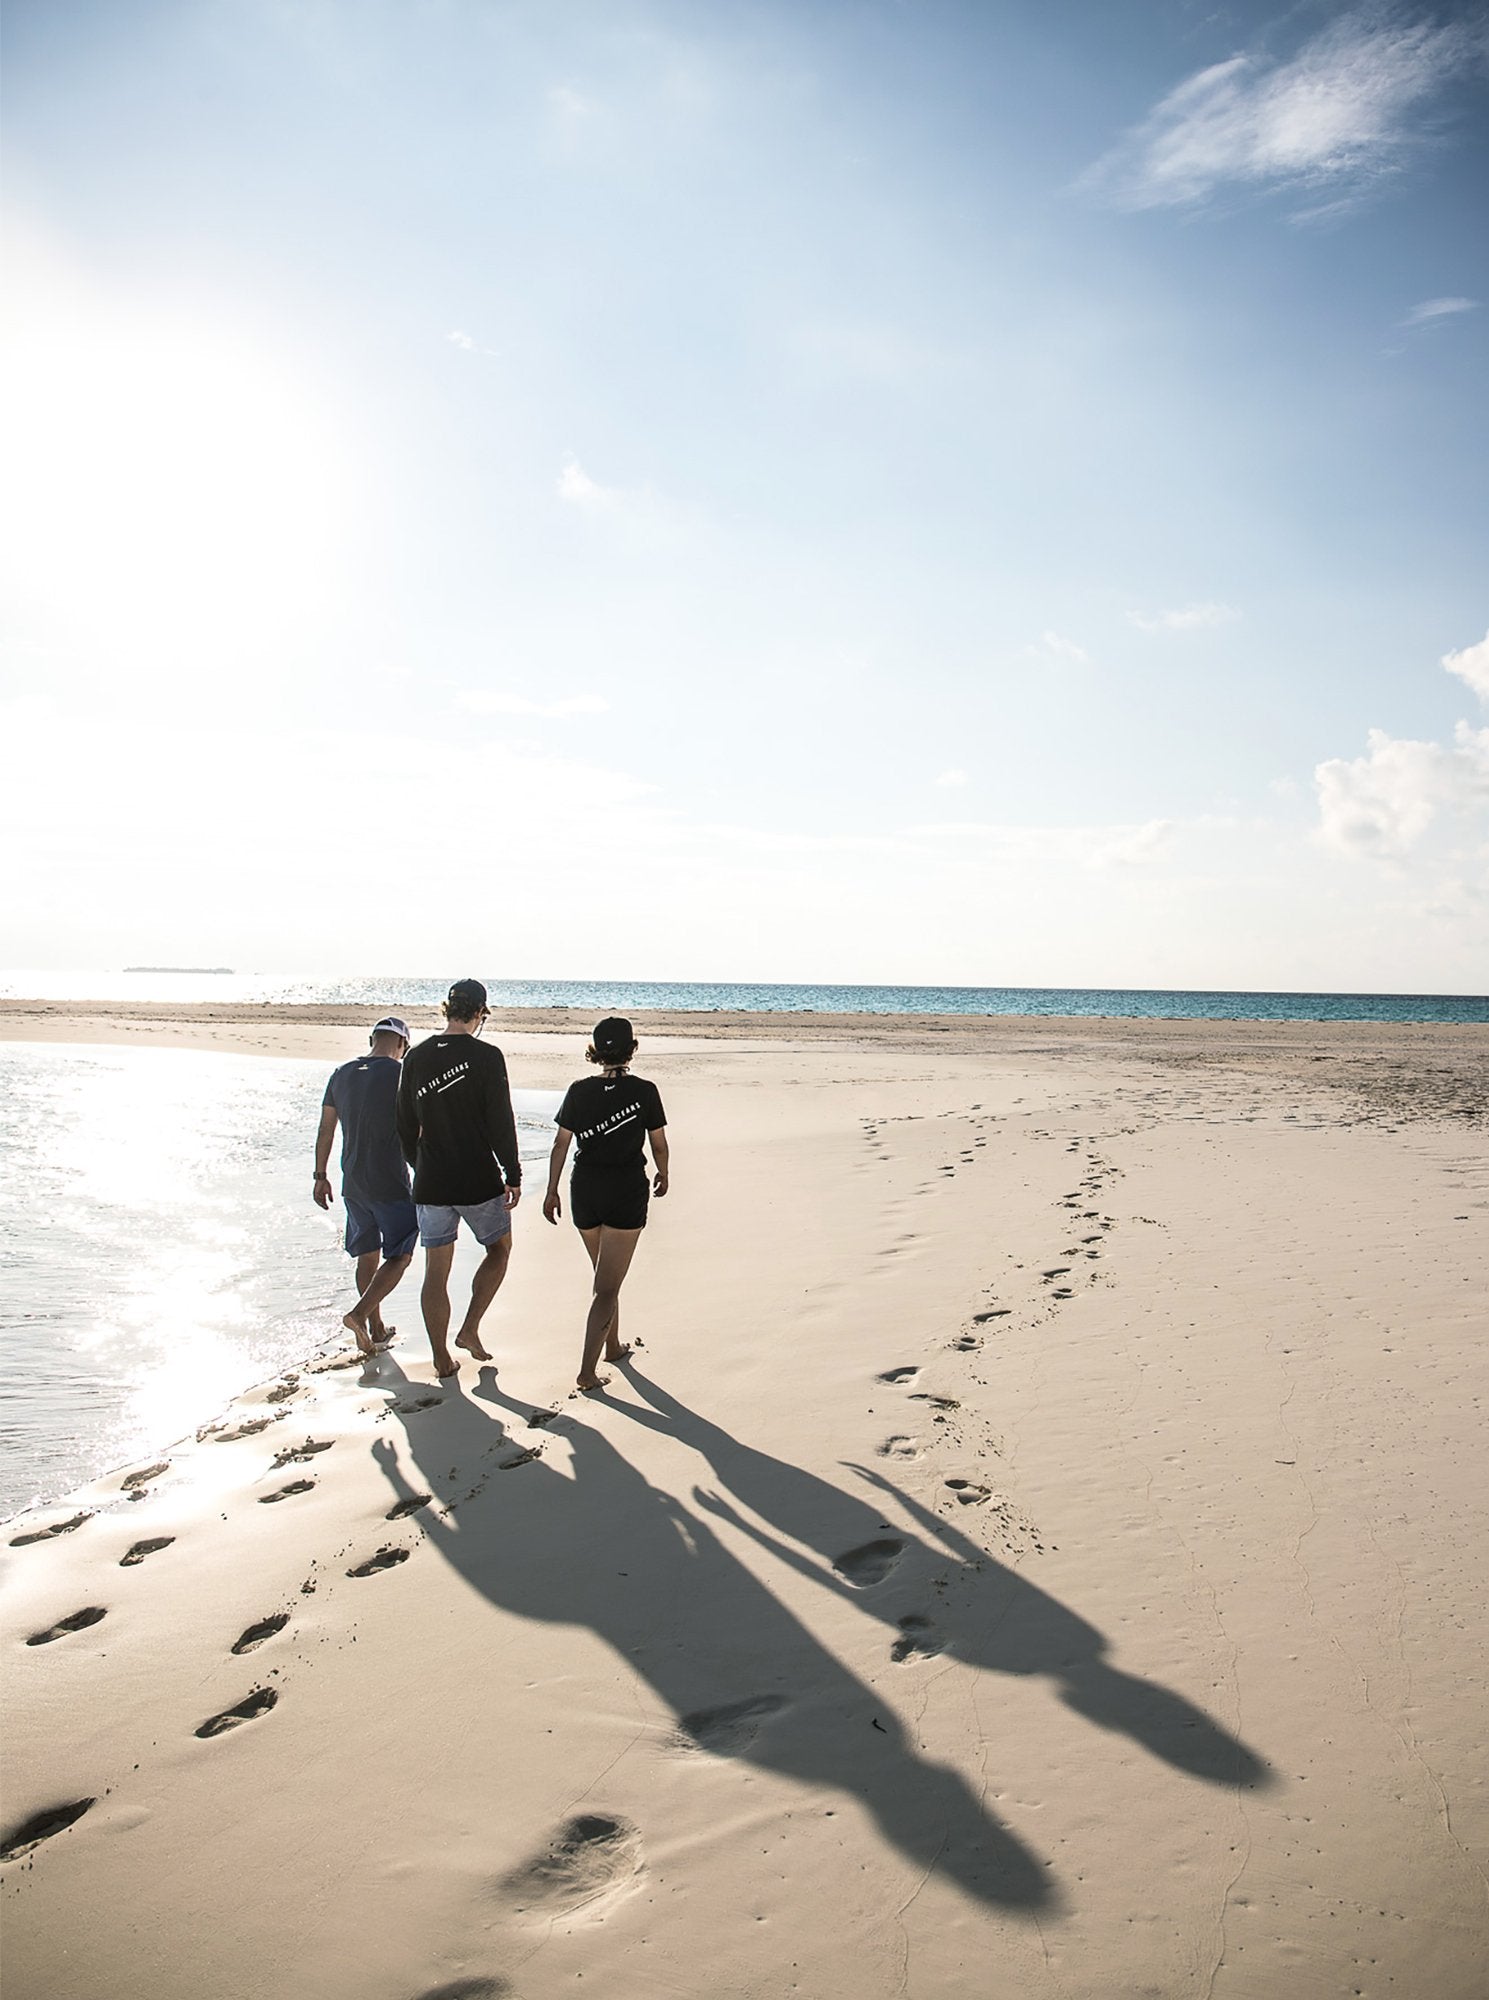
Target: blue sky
<point>930,492</point>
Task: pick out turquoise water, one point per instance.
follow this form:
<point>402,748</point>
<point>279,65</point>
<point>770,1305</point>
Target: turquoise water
<point>595,996</point>
<point>161,1252</point>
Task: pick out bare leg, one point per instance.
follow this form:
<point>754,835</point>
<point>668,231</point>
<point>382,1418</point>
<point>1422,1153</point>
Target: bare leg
<point>611,1251</point>
<point>365,1319</point>
<point>434,1298</point>
<point>484,1287</point>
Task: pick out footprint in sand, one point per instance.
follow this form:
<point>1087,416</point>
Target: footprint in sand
<point>137,1551</point>
<point>301,1454</point>
<point>1059,1271</point>
<point>132,1481</point>
<point>998,1312</point>
<point>966,1343</point>
<point>968,1491</point>
<point>522,1455</point>
<point>871,1562</point>
<point>41,1826</point>
<point>252,1705</point>
<point>284,1492</point>
<point>918,1639</point>
<point>726,1730</point>
<point>52,1528</point>
<point>936,1402</point>
<point>402,1508</point>
<point>588,1854</point>
<point>419,1403</point>
<point>898,1375</point>
<point>284,1392</point>
<point>256,1634</point>
<point>900,1447</point>
<point>78,1621</point>
<point>387,1557</point>
<point>248,1430</point>
<point>472,1989</point>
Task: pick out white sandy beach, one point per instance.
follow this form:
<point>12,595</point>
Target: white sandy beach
<point>1038,1552</point>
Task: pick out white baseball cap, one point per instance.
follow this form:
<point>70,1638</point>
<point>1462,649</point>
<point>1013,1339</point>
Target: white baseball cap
<point>391,1025</point>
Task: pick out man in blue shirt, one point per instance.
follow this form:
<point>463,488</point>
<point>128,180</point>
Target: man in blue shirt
<point>381,1223</point>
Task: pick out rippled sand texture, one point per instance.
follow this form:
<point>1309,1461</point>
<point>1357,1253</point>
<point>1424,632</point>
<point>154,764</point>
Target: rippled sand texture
<point>1037,1551</point>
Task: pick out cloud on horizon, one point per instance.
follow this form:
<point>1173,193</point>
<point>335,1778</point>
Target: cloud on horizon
<point>1187,618</point>
<point>1471,664</point>
<point>1339,114</point>
<point>1431,311</point>
<point>1380,805</point>
<point>482,701</point>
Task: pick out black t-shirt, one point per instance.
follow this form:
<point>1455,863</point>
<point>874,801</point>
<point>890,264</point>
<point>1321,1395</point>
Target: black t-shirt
<point>455,1121</point>
<point>609,1117</point>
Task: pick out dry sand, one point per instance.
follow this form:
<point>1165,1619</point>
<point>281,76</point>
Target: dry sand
<point>1039,1552</point>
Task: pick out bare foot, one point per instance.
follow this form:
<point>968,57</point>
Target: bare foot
<point>445,1365</point>
<point>382,1336</point>
<point>471,1342</point>
<point>587,1384</point>
<point>352,1324</point>
<point>621,1353</point>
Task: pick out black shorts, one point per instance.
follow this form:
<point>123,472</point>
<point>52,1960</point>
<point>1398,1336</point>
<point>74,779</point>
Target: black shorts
<point>609,1197</point>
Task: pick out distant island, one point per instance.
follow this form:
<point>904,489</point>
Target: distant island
<point>198,969</point>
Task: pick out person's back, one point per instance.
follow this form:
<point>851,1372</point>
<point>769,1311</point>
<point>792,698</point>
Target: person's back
<point>364,1093</point>
<point>457,1131</point>
<point>455,1121</point>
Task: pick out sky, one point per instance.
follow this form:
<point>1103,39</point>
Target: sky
<point>963,492</point>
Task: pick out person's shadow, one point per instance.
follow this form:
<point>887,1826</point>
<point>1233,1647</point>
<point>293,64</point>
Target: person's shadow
<point>975,1608</point>
<point>604,1548</point>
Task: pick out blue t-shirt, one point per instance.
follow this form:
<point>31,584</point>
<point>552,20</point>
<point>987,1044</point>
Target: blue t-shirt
<point>365,1094</point>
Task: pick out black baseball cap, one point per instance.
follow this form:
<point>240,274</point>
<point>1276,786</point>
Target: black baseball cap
<point>613,1038</point>
<point>465,999</point>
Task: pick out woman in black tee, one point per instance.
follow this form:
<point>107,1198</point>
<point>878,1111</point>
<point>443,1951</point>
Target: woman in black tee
<point>611,1116</point>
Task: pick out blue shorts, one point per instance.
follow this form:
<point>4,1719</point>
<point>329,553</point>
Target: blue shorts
<point>488,1221</point>
<point>389,1226</point>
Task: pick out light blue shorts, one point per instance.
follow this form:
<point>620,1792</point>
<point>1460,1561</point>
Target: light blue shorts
<point>487,1221</point>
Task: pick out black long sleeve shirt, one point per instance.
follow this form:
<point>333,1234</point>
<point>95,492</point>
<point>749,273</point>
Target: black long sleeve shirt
<point>455,1121</point>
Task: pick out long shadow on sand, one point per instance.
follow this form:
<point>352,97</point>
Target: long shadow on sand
<point>972,1607</point>
<point>601,1547</point>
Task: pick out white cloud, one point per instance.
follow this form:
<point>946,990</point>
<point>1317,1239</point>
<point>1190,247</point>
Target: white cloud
<point>1188,618</point>
<point>1337,114</point>
<point>482,701</point>
<point>1053,646</point>
<point>950,778</point>
<point>1132,847</point>
<point>1380,805</point>
<point>1472,665</point>
<point>459,339</point>
<point>1430,311</point>
<point>575,485</point>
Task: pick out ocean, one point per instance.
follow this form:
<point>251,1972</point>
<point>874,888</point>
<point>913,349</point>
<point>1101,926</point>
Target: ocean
<point>598,996</point>
<point>161,1252</point>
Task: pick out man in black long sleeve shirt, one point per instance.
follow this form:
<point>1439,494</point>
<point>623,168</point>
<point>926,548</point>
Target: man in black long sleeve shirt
<point>458,1134</point>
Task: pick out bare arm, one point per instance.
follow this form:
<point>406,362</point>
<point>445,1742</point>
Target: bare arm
<point>659,1159</point>
<point>324,1140</point>
<point>407,1119</point>
<point>553,1208</point>
<point>501,1127</point>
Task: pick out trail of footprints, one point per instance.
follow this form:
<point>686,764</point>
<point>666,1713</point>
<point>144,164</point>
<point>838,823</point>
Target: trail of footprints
<point>1005,1530</point>
<point>585,1856</point>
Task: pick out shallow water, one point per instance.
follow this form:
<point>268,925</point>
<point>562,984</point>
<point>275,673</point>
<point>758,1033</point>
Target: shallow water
<point>161,1252</point>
